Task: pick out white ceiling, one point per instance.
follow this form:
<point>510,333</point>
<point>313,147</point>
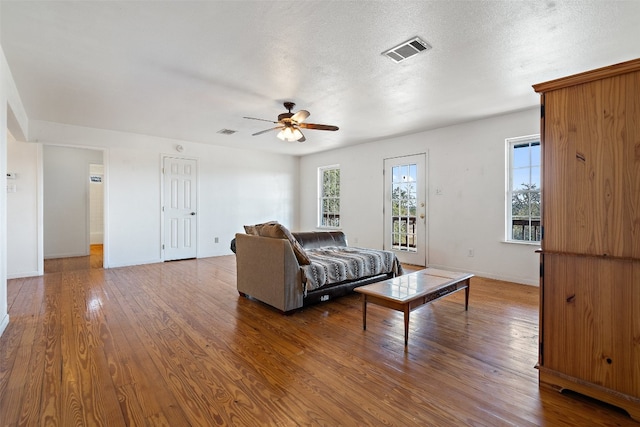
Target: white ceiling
<point>185,70</point>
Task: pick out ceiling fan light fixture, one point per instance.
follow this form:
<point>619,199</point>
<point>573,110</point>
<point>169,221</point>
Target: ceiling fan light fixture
<point>290,133</point>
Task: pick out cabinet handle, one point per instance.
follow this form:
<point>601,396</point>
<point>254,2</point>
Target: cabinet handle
<point>571,298</point>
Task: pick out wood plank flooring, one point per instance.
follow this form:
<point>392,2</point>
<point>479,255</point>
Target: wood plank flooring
<point>93,260</point>
<point>173,344</point>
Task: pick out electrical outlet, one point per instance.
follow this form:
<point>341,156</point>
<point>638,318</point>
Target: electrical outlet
<point>470,252</point>
<point>216,240</point>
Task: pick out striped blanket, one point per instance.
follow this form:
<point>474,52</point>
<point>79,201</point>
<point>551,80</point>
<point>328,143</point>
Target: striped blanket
<point>335,264</point>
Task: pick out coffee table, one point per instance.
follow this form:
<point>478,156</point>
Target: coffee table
<point>410,291</point>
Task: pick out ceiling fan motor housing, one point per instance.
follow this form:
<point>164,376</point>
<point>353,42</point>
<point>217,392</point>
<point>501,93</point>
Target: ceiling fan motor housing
<point>283,116</point>
<point>289,106</point>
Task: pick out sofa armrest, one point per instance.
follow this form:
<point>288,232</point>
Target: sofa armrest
<point>267,270</point>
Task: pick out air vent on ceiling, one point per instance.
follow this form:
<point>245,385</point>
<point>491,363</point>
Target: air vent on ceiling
<point>407,49</point>
<point>227,131</point>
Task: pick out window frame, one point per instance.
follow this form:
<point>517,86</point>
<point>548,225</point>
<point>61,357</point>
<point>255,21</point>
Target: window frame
<point>321,197</point>
<point>511,143</point>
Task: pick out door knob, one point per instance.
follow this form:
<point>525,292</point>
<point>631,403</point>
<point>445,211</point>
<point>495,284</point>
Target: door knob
<point>193,213</point>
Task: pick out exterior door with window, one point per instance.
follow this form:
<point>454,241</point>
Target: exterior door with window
<point>180,208</point>
<point>405,208</point>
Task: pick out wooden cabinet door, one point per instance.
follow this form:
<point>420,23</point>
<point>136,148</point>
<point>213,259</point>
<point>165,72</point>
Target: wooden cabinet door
<point>591,172</point>
<point>588,320</point>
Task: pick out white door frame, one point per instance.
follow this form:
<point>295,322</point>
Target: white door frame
<point>420,256</point>
<point>163,216</point>
<point>40,198</point>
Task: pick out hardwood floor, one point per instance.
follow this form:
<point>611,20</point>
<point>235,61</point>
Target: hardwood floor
<point>93,260</point>
<point>173,344</point>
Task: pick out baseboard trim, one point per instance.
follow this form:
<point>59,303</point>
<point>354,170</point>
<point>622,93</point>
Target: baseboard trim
<point>67,255</point>
<point>4,323</point>
<point>486,275</point>
<point>23,275</point>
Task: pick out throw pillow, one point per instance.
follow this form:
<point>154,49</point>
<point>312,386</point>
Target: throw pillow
<point>254,230</point>
<point>251,229</point>
<point>279,231</point>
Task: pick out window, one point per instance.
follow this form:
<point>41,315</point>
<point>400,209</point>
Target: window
<point>524,191</point>
<point>404,197</point>
<point>329,197</point>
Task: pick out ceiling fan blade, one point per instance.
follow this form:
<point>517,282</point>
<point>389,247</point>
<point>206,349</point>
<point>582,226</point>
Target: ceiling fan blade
<point>302,138</point>
<point>267,130</point>
<point>317,126</point>
<point>300,116</point>
<point>262,120</point>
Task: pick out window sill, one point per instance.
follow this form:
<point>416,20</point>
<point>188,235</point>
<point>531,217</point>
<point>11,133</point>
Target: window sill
<point>521,242</point>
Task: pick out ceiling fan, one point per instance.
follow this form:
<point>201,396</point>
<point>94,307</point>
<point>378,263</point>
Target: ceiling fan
<point>290,124</point>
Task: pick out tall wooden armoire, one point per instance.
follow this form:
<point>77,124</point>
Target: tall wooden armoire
<point>590,257</point>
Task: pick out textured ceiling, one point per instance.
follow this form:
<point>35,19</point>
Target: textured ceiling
<point>185,70</point>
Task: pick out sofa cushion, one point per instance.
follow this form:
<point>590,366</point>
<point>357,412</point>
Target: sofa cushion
<point>251,230</point>
<point>337,264</point>
<point>279,231</point>
<point>254,230</point>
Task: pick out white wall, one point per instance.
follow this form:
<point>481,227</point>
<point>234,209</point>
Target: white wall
<point>23,258</point>
<point>66,200</point>
<point>12,117</point>
<point>4,315</point>
<point>467,162</point>
<point>236,187</point>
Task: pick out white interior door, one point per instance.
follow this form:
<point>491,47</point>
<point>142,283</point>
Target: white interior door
<point>180,208</point>
<point>405,208</point>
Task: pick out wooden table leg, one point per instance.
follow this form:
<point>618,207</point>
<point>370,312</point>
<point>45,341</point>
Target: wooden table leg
<point>406,324</point>
<point>364,312</point>
<point>466,295</point>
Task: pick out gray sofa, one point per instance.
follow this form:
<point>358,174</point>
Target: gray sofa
<point>273,271</point>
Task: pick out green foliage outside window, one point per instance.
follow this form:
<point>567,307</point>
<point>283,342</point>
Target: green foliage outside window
<point>524,189</point>
<point>525,214</point>
<point>404,207</point>
<point>330,198</point>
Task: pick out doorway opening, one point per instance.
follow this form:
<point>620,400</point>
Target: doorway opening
<point>73,208</point>
<point>96,214</point>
